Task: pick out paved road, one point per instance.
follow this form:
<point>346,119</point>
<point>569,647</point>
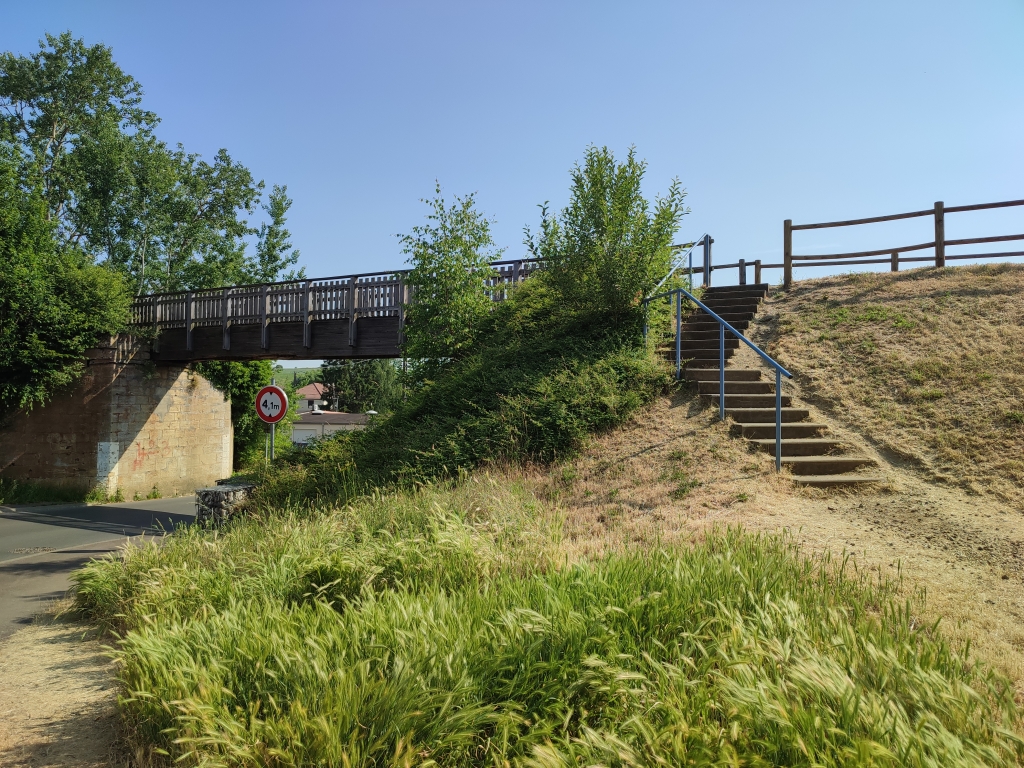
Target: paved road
<point>41,544</point>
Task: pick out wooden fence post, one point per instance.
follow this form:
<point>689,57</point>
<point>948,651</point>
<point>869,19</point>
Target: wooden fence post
<point>264,325</point>
<point>307,317</point>
<point>940,234</point>
<point>743,271</point>
<point>787,253</point>
<point>757,271</point>
<point>225,304</point>
<point>895,267</point>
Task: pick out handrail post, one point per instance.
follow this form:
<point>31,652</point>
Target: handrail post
<point>743,271</point>
<point>307,317</point>
<point>757,271</point>
<point>940,234</point>
<point>707,261</point>
<point>264,326</point>
<point>679,335</point>
<point>778,420</point>
<point>787,253</point>
<point>721,371</point>
<point>690,273</point>
<point>894,265</point>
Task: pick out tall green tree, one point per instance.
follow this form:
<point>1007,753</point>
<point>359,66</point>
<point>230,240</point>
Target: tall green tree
<point>357,386</point>
<point>450,258</point>
<point>609,247</point>
<point>54,302</point>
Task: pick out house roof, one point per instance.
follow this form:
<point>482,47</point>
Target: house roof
<point>314,391</point>
<point>331,417</point>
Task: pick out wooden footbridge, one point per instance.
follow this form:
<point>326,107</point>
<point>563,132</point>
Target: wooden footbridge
<point>355,316</point>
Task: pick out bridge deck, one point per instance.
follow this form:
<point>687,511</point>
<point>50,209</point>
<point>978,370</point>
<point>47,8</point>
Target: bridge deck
<point>358,316</point>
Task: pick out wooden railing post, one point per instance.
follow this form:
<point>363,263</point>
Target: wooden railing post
<point>264,325</point>
<point>225,304</point>
<point>940,234</point>
<point>743,271</point>
<point>307,317</point>
<point>757,271</point>
<point>787,253</point>
<point>895,264</point>
<point>352,310</point>
<point>188,321</point>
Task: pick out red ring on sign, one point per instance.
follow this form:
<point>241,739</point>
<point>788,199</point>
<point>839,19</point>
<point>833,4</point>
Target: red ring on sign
<point>271,404</point>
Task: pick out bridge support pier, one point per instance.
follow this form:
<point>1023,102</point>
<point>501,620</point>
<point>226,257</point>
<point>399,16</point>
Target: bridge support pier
<point>127,425</point>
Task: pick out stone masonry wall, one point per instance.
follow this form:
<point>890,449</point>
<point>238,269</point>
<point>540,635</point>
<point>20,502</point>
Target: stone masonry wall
<point>127,425</point>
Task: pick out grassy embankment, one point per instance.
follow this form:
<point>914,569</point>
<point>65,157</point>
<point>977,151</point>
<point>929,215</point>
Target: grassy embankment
<point>928,364</point>
<point>446,625</point>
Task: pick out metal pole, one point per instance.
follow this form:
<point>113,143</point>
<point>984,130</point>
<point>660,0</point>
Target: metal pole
<point>707,261</point>
<point>778,420</point>
<point>273,430</point>
<point>691,271</point>
<point>721,371</point>
<point>679,335</point>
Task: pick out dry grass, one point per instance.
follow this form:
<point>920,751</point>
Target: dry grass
<point>928,365</point>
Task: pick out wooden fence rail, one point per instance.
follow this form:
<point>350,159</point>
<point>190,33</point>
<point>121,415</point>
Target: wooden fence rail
<point>938,211</point>
<point>384,294</point>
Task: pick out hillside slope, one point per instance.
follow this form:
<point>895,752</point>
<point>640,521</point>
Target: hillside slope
<point>927,365</point>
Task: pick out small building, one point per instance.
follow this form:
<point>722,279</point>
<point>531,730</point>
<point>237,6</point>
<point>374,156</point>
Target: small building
<point>315,425</point>
<point>311,396</point>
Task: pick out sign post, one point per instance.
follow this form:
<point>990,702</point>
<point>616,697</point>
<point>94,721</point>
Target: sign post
<point>271,406</point>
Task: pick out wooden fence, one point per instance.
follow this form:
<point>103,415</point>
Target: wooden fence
<point>894,256</point>
<point>381,294</point>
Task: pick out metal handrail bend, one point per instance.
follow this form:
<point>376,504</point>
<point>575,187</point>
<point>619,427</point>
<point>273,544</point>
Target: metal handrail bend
<point>723,326</point>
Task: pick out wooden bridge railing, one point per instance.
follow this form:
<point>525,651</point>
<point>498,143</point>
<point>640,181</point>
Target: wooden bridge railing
<point>378,294</point>
<point>893,256</point>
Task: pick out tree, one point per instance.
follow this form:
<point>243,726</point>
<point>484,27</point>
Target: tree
<point>54,302</point>
<point>357,386</point>
<point>272,249</point>
<point>607,251</point>
<point>450,259</point>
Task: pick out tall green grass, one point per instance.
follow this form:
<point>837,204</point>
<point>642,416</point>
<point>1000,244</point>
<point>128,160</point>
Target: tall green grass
<point>439,629</point>
<point>30,492</point>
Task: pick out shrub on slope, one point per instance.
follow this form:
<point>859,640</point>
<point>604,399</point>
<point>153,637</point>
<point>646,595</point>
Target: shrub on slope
<point>929,363</point>
<point>540,379</point>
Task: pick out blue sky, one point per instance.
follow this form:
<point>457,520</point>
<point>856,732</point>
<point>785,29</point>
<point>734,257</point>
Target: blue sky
<point>812,111</point>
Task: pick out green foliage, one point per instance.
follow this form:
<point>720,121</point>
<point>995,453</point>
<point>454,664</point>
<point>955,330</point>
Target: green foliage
<point>54,303</point>
<point>450,260</point>
<point>240,381</point>
<point>425,632</point>
<point>539,380</point>
<point>357,386</point>
<point>607,250</point>
<point>273,254</point>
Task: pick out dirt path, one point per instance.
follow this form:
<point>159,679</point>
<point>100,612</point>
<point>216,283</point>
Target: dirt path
<point>57,701</point>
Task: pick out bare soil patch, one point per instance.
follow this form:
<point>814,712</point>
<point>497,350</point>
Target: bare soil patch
<point>57,698</point>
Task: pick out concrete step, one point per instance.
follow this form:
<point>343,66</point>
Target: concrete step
<point>766,415</point>
<point>800,446</point>
<point>804,429</point>
<point>736,387</point>
<point>731,374</point>
<point>835,481</point>
<point>704,354</point>
<point>760,289</point>
<point>731,342</point>
<point>825,465</point>
<point>749,401</point>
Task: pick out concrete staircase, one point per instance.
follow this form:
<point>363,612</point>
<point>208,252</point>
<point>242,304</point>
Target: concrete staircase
<point>810,454</point>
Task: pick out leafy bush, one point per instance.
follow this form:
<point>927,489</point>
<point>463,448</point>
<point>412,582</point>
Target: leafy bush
<point>357,386</point>
<point>539,380</point>
<point>607,251</point>
<point>420,641</point>
<point>450,261</point>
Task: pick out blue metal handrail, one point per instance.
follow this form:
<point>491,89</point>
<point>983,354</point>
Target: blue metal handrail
<point>677,261</point>
<point>723,326</point>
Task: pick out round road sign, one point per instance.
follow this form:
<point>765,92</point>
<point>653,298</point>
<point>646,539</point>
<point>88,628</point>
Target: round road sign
<point>271,404</point>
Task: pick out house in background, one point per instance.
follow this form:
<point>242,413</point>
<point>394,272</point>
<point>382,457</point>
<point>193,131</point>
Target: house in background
<point>314,425</point>
<point>313,395</point>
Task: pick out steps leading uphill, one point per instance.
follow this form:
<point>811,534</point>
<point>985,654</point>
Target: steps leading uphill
<point>811,456</point>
